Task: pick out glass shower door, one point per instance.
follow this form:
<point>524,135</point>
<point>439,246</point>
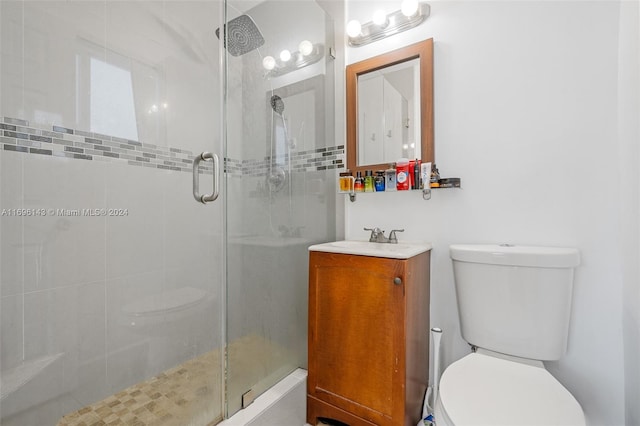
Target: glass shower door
<point>280,184</point>
<point>111,283</point>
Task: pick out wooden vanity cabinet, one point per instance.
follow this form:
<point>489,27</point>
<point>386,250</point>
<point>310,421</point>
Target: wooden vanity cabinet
<point>368,338</point>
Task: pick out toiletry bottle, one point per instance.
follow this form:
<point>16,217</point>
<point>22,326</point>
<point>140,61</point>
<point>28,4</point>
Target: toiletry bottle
<point>435,176</point>
<point>390,178</point>
<point>368,181</point>
<point>425,175</point>
<point>414,169</point>
<point>402,174</point>
<point>358,183</point>
<point>346,181</point>
<point>379,181</point>
<point>411,178</point>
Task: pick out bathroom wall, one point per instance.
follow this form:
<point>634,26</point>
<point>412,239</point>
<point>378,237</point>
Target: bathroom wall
<point>536,109</point>
<point>629,209</point>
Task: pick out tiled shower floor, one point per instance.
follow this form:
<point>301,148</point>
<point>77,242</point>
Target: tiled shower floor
<point>170,398</point>
<point>187,394</point>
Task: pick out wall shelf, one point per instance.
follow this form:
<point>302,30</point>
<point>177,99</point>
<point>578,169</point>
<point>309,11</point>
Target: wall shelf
<point>446,183</point>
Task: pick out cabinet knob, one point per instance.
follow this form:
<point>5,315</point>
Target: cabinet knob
<point>397,280</point>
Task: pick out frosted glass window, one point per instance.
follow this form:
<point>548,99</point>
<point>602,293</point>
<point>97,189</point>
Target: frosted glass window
<point>112,107</point>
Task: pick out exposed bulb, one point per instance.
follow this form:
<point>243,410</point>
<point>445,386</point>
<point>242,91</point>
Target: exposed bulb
<point>269,63</point>
<point>305,47</point>
<point>409,7</point>
<point>380,18</point>
<point>285,55</point>
<point>354,28</point>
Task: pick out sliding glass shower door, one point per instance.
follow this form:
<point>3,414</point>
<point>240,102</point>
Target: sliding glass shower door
<point>111,294</point>
<point>280,183</point>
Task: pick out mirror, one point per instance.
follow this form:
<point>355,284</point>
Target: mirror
<point>390,108</point>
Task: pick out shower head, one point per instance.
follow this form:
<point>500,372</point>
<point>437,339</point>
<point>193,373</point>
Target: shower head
<point>241,35</point>
<point>277,104</point>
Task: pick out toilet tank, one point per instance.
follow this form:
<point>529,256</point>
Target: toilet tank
<point>515,300</point>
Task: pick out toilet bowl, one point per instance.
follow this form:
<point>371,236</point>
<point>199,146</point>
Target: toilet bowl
<point>486,388</point>
<point>514,305</point>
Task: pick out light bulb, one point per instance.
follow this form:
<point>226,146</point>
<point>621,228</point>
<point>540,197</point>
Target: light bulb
<point>269,63</point>
<point>409,7</point>
<point>305,47</point>
<point>380,18</point>
<point>354,28</point>
<point>285,55</point>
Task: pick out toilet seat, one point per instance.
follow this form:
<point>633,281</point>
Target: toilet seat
<point>481,389</point>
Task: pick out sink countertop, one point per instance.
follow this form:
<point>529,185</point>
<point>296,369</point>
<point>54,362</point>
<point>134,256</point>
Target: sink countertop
<point>366,248</point>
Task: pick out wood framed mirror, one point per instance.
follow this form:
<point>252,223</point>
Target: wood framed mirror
<point>390,108</point>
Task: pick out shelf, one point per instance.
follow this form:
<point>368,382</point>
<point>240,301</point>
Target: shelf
<point>448,183</point>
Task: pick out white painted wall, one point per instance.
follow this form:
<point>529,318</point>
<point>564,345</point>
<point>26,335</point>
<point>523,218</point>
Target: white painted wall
<point>629,208</point>
<point>536,109</point>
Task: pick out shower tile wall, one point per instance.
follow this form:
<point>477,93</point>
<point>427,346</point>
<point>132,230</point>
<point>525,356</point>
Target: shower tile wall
<point>68,283</point>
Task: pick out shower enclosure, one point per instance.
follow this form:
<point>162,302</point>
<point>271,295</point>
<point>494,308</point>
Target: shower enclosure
<point>121,296</point>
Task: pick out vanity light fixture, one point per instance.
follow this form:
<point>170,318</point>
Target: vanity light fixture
<point>285,55</point>
<point>411,14</point>
<point>308,53</point>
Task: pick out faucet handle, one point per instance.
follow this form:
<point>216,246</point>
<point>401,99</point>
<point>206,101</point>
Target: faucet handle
<point>393,239</point>
<point>374,234</point>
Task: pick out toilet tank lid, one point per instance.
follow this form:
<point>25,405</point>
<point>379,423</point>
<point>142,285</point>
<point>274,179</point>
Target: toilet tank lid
<point>515,255</point>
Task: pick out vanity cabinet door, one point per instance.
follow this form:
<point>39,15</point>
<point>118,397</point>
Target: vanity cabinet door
<point>358,337</point>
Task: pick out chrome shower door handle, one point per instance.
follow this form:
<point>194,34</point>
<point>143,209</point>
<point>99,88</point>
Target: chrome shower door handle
<point>205,156</point>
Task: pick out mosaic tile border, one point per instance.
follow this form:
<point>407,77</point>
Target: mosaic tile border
<point>302,161</point>
<point>18,136</point>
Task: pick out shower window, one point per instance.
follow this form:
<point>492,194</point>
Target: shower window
<point>120,95</point>
<point>111,101</point>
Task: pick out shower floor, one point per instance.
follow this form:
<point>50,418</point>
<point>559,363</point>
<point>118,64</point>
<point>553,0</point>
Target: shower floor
<point>183,395</point>
<point>169,398</point>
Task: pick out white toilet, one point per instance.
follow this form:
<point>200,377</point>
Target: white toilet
<point>514,304</point>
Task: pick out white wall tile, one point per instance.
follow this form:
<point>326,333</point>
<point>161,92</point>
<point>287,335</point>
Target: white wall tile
<point>11,45</point>
<point>50,322</point>
<point>11,247</point>
<point>135,243</point>
<point>63,250</point>
<point>12,348</point>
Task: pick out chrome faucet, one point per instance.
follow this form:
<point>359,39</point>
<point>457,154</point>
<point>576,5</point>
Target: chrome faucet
<point>392,236</point>
<point>377,235</point>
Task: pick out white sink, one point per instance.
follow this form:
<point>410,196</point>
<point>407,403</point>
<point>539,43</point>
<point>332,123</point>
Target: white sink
<point>365,248</point>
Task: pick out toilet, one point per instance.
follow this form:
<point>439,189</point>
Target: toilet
<point>514,304</point>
